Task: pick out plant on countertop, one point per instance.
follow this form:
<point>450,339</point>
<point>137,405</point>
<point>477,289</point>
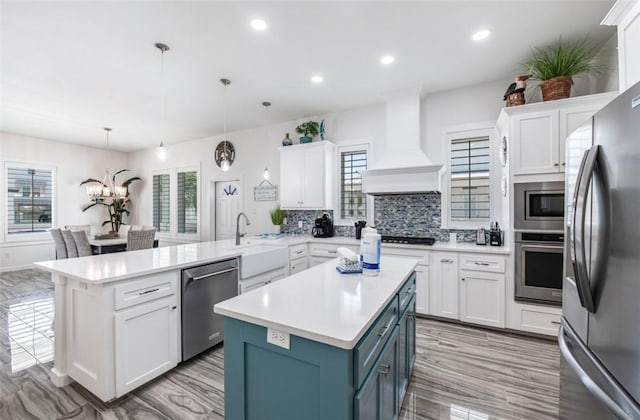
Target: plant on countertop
<point>277,216</point>
<point>556,64</point>
<point>117,208</point>
<point>309,130</point>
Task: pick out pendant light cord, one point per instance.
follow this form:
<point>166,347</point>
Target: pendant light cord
<point>162,96</point>
<point>224,113</point>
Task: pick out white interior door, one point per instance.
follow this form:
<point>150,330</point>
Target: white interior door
<point>227,205</point>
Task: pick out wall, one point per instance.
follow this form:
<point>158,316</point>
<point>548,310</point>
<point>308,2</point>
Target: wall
<point>73,164</point>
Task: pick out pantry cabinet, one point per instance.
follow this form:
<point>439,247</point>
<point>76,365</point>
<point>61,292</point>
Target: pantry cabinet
<point>306,176</point>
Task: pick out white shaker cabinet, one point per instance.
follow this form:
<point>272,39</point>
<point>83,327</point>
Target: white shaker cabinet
<point>443,285</point>
<point>536,132</point>
<point>482,290</point>
<point>306,176</point>
<point>626,16</point>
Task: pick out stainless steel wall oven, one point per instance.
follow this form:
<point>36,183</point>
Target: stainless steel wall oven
<point>539,266</point>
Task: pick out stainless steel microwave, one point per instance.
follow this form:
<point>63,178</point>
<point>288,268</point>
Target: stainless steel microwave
<point>539,205</point>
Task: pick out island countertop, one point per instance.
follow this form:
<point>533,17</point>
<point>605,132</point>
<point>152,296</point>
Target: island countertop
<point>321,304</point>
<point>99,269</point>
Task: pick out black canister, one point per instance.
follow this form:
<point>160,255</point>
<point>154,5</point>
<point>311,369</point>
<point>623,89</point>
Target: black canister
<point>359,225</point>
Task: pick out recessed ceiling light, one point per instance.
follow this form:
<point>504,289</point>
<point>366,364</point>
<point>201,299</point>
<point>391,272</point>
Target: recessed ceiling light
<point>387,59</point>
<point>480,35</point>
<point>258,24</point>
<point>317,79</point>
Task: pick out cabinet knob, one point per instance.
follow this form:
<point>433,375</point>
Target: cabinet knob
<point>173,307</point>
<point>564,164</point>
<point>462,279</point>
<point>555,164</point>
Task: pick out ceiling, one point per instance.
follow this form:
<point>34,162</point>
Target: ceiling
<point>71,68</point>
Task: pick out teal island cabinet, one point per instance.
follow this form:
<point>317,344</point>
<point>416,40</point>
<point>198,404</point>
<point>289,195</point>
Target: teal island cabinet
<point>321,345</point>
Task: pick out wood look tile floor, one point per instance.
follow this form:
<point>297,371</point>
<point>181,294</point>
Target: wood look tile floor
<point>461,372</point>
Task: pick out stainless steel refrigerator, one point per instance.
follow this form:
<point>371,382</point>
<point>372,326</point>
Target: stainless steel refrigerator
<point>600,334</point>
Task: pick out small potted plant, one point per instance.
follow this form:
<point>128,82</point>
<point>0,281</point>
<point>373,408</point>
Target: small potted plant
<point>277,218</point>
<point>308,130</point>
<point>556,64</point>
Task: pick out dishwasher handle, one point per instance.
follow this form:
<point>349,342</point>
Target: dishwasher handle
<point>217,273</point>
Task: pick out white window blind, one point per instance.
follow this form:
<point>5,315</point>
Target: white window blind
<point>469,194</point>
<point>353,202</point>
<point>161,203</point>
<point>188,202</point>
<point>29,200</point>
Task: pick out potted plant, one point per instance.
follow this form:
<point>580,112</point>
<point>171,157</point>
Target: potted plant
<point>117,207</point>
<point>277,218</point>
<point>308,130</point>
<point>556,64</point>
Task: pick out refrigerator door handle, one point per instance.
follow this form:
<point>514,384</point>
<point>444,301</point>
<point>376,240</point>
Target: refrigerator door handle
<point>586,380</point>
<point>583,284</point>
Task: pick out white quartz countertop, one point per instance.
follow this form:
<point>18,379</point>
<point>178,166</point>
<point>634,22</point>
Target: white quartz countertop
<point>320,303</point>
<point>98,269</point>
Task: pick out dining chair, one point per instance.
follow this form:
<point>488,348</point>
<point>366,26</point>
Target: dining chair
<point>70,243</point>
<point>140,239</point>
<point>82,243</point>
<point>74,228</point>
<point>58,240</point>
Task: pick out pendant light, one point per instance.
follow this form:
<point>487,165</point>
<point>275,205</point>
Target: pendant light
<point>266,104</point>
<point>224,151</point>
<point>162,151</point>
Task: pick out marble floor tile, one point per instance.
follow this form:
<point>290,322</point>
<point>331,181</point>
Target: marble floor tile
<point>461,372</point>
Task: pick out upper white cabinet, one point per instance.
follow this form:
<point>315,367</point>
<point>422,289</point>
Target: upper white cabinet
<point>625,15</point>
<point>306,176</point>
<point>537,132</point>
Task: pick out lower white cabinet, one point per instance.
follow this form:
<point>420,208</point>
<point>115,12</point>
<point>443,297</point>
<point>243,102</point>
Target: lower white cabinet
<point>482,298</point>
<point>422,289</point>
<point>298,265</point>
<point>321,253</point>
<point>260,280</point>
<point>146,342</point>
<point>443,285</point>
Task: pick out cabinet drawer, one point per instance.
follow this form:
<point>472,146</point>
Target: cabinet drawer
<point>146,289</point>
<point>368,349</point>
<point>482,263</point>
<point>423,257</point>
<point>329,250</point>
<point>407,291</point>
<point>539,321</point>
<point>297,251</point>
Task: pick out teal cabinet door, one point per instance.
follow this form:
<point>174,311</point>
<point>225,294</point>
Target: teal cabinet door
<point>406,347</point>
<point>377,399</point>
<point>411,338</point>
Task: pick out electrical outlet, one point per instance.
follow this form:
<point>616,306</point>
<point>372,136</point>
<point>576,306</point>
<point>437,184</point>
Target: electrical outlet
<point>278,338</point>
<point>300,224</point>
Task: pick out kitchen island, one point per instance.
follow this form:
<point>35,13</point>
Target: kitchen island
<point>320,344</point>
<point>117,316</point>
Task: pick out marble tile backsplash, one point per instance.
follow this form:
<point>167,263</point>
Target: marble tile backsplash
<point>397,215</point>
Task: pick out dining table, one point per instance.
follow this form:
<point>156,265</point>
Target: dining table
<point>107,246</point>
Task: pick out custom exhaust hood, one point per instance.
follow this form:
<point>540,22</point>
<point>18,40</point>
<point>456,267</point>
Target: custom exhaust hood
<point>402,167</point>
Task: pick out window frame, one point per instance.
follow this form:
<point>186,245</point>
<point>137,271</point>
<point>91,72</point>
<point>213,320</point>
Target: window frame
<point>467,131</point>
<point>4,180</point>
<point>164,234</point>
<point>365,144</point>
<point>196,169</point>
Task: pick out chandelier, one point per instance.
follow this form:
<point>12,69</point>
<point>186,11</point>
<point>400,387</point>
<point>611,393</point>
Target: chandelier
<point>105,189</point>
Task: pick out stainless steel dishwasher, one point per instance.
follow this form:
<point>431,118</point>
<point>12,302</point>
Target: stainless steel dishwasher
<point>203,287</point>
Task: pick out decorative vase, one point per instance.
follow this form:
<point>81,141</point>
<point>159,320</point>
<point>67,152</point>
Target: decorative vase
<point>556,88</point>
<point>286,141</point>
<point>306,139</point>
<point>277,228</point>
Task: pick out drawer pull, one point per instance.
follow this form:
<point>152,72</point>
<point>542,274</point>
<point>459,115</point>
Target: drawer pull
<point>481,263</point>
<point>446,260</point>
<point>556,322</point>
<point>148,291</point>
<point>410,291</point>
<point>463,279</point>
<point>383,331</point>
<point>332,252</point>
<point>298,252</point>
<point>173,307</point>
<point>384,369</point>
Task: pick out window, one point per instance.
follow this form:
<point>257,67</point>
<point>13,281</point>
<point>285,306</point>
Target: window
<point>353,202</point>
<point>30,195</point>
<point>161,203</point>
<point>188,202</point>
<point>469,182</point>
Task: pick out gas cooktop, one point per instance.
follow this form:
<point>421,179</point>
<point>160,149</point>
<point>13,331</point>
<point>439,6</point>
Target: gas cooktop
<point>409,240</point>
